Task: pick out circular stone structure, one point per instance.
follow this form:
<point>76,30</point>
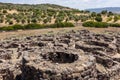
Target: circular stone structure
<point>54,64</point>
<point>60,65</point>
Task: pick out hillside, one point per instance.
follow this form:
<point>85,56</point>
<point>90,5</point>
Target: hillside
<point>11,14</point>
<point>112,9</point>
<point>29,6</point>
<point>48,15</point>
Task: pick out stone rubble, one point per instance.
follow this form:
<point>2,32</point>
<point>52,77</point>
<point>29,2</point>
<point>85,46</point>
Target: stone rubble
<point>75,55</point>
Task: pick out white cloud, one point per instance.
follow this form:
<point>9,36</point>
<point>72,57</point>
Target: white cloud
<point>86,0</point>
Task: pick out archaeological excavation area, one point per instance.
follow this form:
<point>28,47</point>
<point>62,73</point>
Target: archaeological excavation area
<point>75,55</point>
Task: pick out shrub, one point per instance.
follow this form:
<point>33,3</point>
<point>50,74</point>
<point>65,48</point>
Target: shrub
<point>109,19</point>
<point>1,20</point>
<point>45,21</point>
<point>104,12</point>
<point>4,11</point>
<point>99,15</point>
<point>10,28</point>
<point>115,25</point>
<point>95,24</point>
<point>33,26</point>
<point>16,27</point>
<point>10,22</point>
<point>116,18</point>
<point>23,21</point>
<point>60,25</point>
<point>110,13</point>
<point>93,14</point>
<point>98,19</point>
<point>33,21</point>
<point>36,26</point>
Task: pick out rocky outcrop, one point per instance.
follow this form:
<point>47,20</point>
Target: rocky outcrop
<point>75,55</point>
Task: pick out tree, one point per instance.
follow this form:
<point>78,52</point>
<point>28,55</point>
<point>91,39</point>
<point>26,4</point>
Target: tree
<point>4,11</point>
<point>66,20</point>
<point>116,18</point>
<point>34,21</point>
<point>45,21</point>
<point>10,22</point>
<point>86,11</point>
<point>98,19</point>
<point>17,20</point>
<point>77,19</point>
<point>93,14</point>
<point>104,12</point>
<point>1,20</point>
<point>28,21</point>
<point>23,21</point>
<point>110,13</point>
<point>99,14</point>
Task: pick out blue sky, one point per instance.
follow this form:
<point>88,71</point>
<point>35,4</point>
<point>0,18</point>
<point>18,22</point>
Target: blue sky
<point>79,4</point>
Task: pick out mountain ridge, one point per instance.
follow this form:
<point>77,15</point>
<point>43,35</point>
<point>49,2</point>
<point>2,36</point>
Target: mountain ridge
<point>112,9</point>
<point>46,5</point>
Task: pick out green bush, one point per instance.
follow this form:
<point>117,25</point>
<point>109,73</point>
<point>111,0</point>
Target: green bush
<point>116,18</point>
<point>95,24</point>
<point>60,25</point>
<point>104,12</point>
<point>36,26</point>
<point>98,19</point>
<point>10,28</point>
<point>115,25</point>
<point>10,22</point>
<point>16,27</point>
<point>109,19</point>
<point>4,11</point>
<point>93,14</point>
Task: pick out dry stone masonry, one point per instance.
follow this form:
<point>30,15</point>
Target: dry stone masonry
<point>75,55</point>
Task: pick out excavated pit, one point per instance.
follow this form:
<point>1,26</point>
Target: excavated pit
<point>75,55</point>
<point>61,57</point>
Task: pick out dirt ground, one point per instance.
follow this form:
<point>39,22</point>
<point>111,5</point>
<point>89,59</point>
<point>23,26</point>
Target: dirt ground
<point>23,33</point>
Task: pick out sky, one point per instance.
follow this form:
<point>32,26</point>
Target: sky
<point>78,4</point>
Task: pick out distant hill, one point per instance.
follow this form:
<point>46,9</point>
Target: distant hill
<point>22,14</point>
<point>112,9</point>
<point>33,6</point>
<point>25,14</point>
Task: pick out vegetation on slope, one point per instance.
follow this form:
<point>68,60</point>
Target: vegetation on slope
<point>11,14</point>
<point>48,14</point>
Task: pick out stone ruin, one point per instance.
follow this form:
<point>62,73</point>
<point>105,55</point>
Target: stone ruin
<point>75,55</point>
